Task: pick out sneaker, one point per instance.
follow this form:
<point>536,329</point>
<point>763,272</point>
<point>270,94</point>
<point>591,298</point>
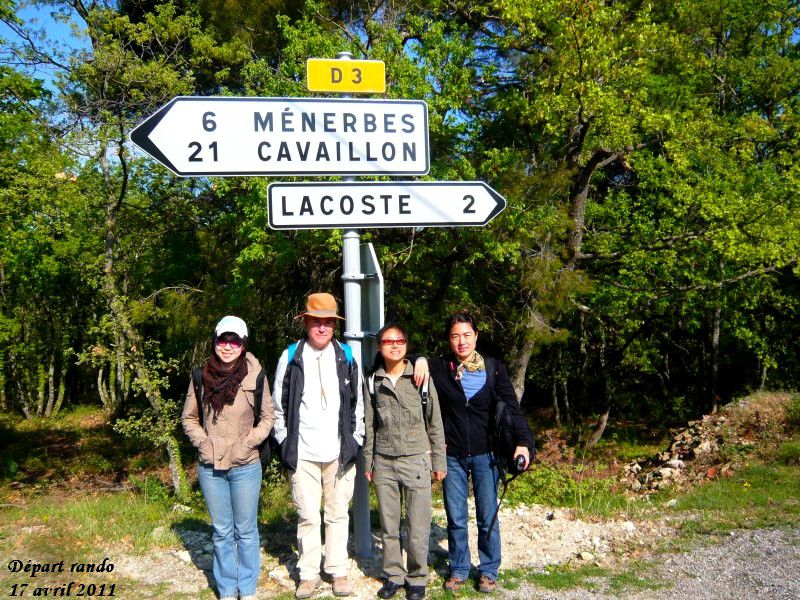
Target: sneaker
<point>227,598</point>
<point>454,584</point>
<point>248,597</point>
<point>487,585</point>
<point>415,592</point>
<point>389,589</point>
<point>341,586</point>
<point>307,587</point>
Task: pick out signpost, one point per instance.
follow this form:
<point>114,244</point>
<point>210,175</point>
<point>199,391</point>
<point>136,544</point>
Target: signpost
<point>382,204</point>
<point>346,75</point>
<point>195,136</point>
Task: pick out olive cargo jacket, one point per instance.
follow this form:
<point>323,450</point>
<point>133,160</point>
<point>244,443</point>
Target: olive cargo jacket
<point>395,425</point>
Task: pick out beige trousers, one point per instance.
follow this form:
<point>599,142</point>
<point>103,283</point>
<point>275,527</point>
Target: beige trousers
<point>310,482</point>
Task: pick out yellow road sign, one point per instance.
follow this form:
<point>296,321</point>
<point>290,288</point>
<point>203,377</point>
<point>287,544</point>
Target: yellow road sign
<point>346,76</point>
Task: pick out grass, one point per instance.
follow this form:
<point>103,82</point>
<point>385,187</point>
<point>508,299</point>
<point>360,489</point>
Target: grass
<point>46,521</point>
<point>761,495</point>
<point>589,577</point>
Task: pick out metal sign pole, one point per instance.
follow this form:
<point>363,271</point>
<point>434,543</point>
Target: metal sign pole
<point>352,277</point>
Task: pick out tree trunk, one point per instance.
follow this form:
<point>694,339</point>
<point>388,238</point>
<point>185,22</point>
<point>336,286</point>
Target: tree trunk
<point>554,388</point>
<point>179,481</point>
<point>51,386</point>
<point>602,421</point>
<point>762,376</point>
<point>3,381</point>
<point>41,390</point>
<point>519,366</point>
<point>715,328</point>
<point>565,399</point>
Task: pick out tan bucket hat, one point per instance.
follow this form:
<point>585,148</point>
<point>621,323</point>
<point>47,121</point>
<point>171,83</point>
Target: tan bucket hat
<point>321,305</point>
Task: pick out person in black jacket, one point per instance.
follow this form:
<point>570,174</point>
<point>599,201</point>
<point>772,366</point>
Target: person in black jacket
<point>467,404</point>
<point>319,425</point>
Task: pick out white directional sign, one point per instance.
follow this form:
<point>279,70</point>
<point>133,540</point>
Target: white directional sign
<point>382,204</point>
<point>196,136</point>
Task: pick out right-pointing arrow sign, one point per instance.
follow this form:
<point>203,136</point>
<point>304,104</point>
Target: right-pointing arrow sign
<point>382,204</point>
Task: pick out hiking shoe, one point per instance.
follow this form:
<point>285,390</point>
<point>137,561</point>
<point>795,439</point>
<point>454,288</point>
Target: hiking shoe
<point>389,589</point>
<point>487,585</point>
<point>341,586</point>
<point>454,584</point>
<point>307,587</point>
<point>415,592</point>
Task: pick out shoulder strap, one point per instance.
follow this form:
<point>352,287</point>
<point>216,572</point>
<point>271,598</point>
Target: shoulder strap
<point>290,352</point>
<point>197,381</point>
<point>423,393</point>
<point>259,393</point>
<point>348,351</point>
<point>491,373</point>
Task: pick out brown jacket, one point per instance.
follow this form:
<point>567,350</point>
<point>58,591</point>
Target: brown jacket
<point>230,440</point>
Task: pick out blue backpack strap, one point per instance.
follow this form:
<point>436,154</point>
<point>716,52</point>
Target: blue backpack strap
<point>290,352</point>
<point>348,351</point>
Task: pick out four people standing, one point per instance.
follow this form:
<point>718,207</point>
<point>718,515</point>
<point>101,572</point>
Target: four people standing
<point>319,425</point>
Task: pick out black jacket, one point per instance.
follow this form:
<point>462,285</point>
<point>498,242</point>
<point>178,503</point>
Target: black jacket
<point>351,408</point>
<point>467,425</point>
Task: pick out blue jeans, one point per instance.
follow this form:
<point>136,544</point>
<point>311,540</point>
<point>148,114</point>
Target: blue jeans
<point>232,499</point>
<point>485,478</point>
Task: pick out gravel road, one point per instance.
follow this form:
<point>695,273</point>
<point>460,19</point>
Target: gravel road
<point>752,564</point>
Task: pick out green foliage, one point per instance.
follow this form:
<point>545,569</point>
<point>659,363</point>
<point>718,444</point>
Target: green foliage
<point>151,489</point>
<point>793,414</point>
<point>543,485</point>
<point>648,154</point>
<point>789,453</point>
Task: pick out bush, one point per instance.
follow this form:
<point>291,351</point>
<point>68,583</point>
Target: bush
<point>789,453</point>
<point>152,489</point>
<point>793,415</point>
<point>542,485</point>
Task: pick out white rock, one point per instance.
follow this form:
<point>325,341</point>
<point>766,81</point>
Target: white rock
<point>628,526</point>
<point>184,556</point>
<point>586,555</point>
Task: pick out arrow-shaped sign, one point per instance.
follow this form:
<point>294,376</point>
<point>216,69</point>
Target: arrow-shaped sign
<point>382,204</point>
<point>196,136</point>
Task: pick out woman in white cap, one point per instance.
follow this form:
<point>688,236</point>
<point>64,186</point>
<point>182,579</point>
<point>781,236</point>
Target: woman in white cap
<point>227,422</point>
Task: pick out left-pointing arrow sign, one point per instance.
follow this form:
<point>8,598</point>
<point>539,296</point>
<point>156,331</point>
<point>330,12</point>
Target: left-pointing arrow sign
<point>382,204</point>
<point>195,136</point>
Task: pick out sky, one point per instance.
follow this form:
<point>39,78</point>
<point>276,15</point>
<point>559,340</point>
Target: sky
<point>59,34</point>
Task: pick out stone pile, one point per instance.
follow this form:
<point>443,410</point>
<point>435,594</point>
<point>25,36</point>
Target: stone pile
<point>693,455</point>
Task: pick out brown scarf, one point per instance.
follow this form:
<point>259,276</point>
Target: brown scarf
<point>221,382</point>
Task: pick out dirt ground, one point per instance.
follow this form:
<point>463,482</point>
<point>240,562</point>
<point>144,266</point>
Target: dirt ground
<point>533,537</point>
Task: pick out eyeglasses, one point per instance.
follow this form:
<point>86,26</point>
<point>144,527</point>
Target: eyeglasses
<point>390,342</point>
<point>235,344</point>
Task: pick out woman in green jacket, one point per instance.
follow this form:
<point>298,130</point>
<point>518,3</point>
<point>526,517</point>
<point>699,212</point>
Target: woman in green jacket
<point>403,449</point>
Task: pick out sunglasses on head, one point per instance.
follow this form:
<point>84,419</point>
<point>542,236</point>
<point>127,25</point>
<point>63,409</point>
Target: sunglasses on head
<point>391,342</point>
<point>235,342</point>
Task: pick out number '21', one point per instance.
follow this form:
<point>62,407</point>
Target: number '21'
<point>209,124</point>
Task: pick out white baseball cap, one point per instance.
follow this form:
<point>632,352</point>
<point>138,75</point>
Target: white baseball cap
<point>231,324</point>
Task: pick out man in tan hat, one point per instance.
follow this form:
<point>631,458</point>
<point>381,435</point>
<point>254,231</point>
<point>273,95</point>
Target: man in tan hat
<point>319,411</point>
